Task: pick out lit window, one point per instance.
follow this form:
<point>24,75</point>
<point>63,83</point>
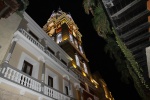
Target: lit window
<point>59,38</point>
<point>71,38</point>
<point>77,60</point>
<point>76,43</point>
<point>74,34</point>
<point>80,47</point>
<point>27,68</point>
<point>85,67</point>
<point>50,81</point>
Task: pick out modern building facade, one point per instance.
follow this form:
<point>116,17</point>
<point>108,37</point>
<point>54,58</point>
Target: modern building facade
<point>131,21</point>
<point>44,64</point>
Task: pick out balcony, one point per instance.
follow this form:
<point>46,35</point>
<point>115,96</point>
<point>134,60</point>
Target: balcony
<point>69,46</point>
<point>139,55</point>
<point>84,78</point>
<point>139,47</point>
<point>135,18</point>
<point>87,95</point>
<point>125,9</point>
<point>135,30</point>
<point>78,75</point>
<point>138,38</point>
<point>18,77</point>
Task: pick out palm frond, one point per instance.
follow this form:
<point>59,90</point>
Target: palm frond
<point>88,6</point>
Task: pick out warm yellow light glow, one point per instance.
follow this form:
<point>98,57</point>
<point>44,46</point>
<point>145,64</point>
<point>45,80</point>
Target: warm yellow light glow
<point>92,80</point>
<point>84,74</point>
<point>96,86</point>
<point>65,39</point>
<point>74,66</point>
<point>95,81</point>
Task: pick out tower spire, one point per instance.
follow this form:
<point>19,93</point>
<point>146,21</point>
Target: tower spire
<point>59,9</point>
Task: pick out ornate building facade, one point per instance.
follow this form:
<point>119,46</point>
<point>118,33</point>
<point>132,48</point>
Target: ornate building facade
<point>45,64</point>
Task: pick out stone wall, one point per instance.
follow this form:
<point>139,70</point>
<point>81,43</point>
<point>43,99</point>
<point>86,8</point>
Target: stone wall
<point>7,95</point>
<point>7,27</point>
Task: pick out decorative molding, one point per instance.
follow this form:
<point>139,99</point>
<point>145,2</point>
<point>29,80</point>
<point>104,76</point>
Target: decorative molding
<point>77,86</point>
<point>66,76</point>
<point>15,39</point>
<point>41,58</point>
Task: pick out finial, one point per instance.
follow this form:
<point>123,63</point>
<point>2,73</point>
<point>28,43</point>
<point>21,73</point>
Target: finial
<point>53,11</point>
<point>69,13</point>
<point>59,9</point>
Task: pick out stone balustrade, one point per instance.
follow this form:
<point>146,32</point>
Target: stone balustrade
<point>14,75</point>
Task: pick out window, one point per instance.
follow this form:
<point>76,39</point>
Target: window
<point>71,38</point>
<point>83,85</point>
<point>31,61</point>
<point>85,68</point>
<point>27,68</point>
<point>50,81</point>
<point>59,37</point>
<point>77,60</point>
<point>76,43</point>
<point>66,90</point>
<point>80,48</point>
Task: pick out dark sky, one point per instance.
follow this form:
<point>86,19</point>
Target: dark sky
<point>93,45</point>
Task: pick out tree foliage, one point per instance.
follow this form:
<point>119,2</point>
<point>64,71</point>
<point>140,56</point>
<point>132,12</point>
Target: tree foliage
<point>125,61</point>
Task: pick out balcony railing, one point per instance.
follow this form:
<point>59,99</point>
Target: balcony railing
<point>116,15</point>
<point>71,71</point>
<point>16,76</point>
<point>135,30</point>
<point>84,78</point>
<point>34,41</point>
<point>130,21</point>
<point>87,95</point>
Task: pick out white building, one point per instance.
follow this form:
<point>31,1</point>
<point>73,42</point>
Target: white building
<point>44,64</point>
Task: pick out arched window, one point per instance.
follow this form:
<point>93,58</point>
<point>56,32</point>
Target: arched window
<point>77,60</point>
<point>59,38</point>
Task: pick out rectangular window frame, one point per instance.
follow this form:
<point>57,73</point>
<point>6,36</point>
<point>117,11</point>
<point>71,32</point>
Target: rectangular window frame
<point>26,66</point>
<point>50,81</point>
<point>67,90</point>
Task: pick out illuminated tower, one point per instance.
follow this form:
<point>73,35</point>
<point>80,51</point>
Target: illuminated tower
<point>62,29</point>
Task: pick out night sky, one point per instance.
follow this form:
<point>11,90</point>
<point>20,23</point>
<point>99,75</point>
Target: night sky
<point>93,45</point>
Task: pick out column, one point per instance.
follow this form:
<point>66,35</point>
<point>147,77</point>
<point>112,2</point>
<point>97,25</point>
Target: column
<point>81,91</point>
<point>13,44</point>
<point>43,72</point>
